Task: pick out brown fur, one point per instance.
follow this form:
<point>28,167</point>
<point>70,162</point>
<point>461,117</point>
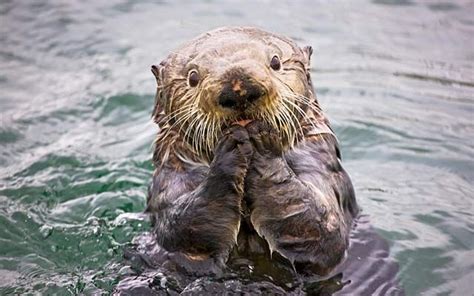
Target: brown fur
<point>280,176</point>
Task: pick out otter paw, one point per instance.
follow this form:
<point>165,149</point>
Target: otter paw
<point>233,152</point>
<point>265,139</point>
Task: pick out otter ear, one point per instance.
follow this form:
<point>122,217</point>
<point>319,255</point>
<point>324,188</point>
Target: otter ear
<point>157,70</point>
<point>307,52</point>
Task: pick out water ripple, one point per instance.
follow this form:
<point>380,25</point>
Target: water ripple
<point>394,77</point>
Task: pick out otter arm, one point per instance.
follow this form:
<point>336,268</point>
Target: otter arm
<point>196,210</point>
<point>302,203</point>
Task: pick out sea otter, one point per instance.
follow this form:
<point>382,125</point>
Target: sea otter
<point>245,160</point>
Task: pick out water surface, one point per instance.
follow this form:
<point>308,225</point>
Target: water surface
<point>396,79</point>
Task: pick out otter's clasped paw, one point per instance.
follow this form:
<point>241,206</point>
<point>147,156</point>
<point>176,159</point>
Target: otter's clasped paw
<point>233,153</point>
<point>265,139</point>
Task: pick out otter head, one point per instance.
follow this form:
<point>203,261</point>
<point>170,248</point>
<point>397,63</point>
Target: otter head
<point>233,75</point>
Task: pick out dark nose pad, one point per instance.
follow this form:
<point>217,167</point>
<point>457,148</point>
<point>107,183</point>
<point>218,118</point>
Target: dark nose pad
<point>238,94</point>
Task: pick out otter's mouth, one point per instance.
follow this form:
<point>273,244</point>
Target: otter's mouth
<point>243,122</point>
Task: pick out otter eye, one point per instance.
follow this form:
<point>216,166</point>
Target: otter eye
<point>193,78</point>
<point>275,63</point>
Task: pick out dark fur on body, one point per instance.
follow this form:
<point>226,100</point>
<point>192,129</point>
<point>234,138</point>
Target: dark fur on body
<point>278,180</point>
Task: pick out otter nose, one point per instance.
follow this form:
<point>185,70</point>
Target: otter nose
<point>238,93</point>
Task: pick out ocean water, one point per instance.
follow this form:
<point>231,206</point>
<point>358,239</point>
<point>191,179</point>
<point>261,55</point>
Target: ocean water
<point>395,77</point>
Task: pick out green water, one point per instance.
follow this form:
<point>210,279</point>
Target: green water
<point>396,78</point>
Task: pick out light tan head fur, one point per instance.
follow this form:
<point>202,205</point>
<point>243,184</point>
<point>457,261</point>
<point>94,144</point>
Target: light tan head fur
<point>194,83</point>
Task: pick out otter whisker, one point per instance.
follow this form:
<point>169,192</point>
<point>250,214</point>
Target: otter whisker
<point>205,135</point>
<point>311,103</point>
<point>288,111</point>
<point>181,121</point>
<point>203,126</point>
<point>197,136</point>
<point>286,122</point>
<point>169,117</point>
<point>292,104</point>
<point>197,133</point>
<point>315,108</point>
<point>286,125</point>
<point>174,113</point>
<point>303,114</point>
<point>306,102</point>
<point>212,137</point>
<point>191,128</point>
<point>212,140</point>
<point>272,119</point>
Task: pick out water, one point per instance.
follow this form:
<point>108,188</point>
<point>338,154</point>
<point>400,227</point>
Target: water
<point>396,78</point>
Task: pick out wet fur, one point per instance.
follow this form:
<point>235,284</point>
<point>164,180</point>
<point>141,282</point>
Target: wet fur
<point>280,177</point>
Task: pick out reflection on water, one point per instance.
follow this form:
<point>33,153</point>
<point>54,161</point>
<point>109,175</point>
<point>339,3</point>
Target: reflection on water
<point>396,78</point>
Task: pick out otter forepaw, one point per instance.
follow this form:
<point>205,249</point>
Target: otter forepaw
<point>265,139</point>
<point>233,153</point>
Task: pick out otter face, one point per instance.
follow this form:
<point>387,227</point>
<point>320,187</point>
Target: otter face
<point>233,75</point>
